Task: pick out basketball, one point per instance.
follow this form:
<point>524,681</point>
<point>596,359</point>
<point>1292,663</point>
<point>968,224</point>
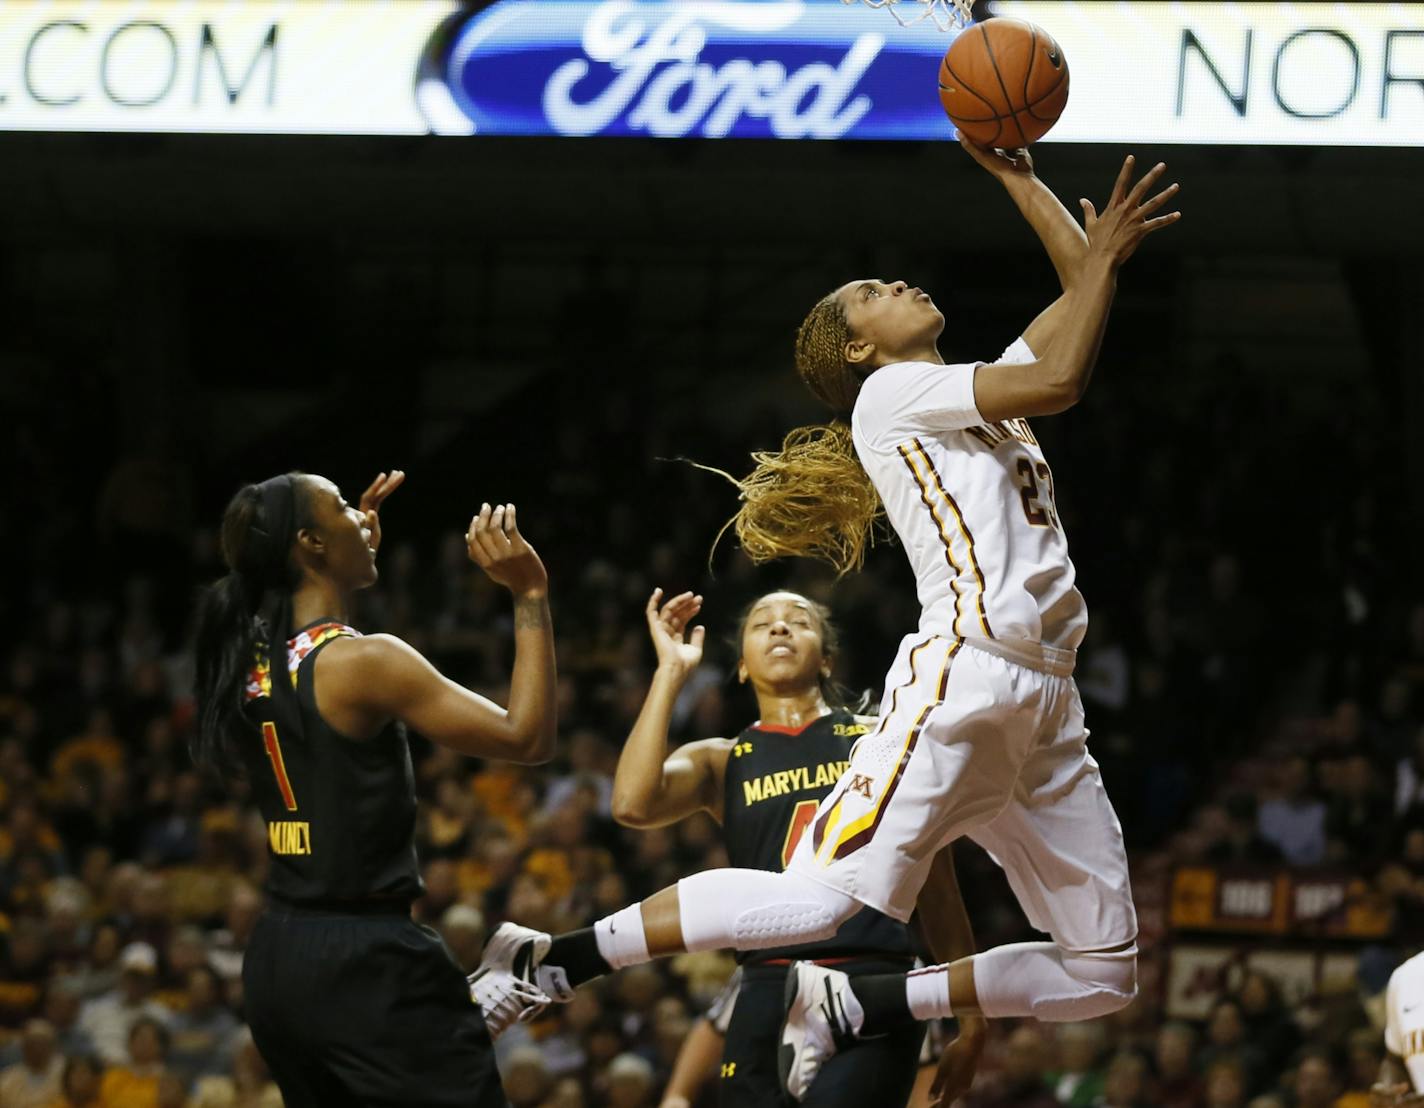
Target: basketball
<point>1004,83</point>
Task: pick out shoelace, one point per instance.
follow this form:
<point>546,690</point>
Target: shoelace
<point>508,1000</point>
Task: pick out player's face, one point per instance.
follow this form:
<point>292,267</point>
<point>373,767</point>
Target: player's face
<point>782,644</point>
<point>345,538</point>
<point>897,318</point>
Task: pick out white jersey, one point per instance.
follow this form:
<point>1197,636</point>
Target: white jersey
<point>1404,1018</point>
<point>973,505</point>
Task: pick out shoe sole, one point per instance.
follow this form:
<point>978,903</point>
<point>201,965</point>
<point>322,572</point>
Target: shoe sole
<point>786,1051</point>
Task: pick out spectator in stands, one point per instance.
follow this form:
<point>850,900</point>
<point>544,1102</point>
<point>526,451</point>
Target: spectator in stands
<point>1126,1082</point>
<point>526,1080</point>
<point>134,1084</point>
<point>1316,1083</point>
<point>1225,1083</point>
<point>1269,1028</point>
<point>1294,819</point>
<point>630,1082</point>
<point>203,1030</point>
<point>1241,842</point>
<point>1023,1082</point>
<point>1078,1081</point>
<point>63,1000</point>
<point>1178,1083</point>
<point>1402,881</point>
<point>23,970</point>
<point>1226,1040</point>
<point>80,1083</point>
<point>33,1082</point>
<point>1409,778</point>
<point>108,1019</point>
<point>1364,1051</point>
<point>1356,836</point>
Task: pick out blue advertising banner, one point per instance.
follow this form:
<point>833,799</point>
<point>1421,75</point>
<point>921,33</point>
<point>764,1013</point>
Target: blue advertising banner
<point>785,69</point>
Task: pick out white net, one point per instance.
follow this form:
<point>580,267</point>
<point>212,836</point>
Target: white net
<point>944,14</point>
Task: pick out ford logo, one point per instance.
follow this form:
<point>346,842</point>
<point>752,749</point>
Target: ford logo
<point>785,69</point>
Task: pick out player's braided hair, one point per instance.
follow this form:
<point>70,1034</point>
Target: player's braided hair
<point>812,498</point>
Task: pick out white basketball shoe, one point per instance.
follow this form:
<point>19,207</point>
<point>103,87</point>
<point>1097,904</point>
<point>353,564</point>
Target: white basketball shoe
<point>822,1016</point>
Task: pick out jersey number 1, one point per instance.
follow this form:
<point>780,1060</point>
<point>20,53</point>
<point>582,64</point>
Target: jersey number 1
<point>800,820</point>
<point>279,767</point>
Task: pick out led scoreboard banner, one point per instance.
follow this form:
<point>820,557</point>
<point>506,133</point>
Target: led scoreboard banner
<point>1276,902</point>
<point>1340,74</point>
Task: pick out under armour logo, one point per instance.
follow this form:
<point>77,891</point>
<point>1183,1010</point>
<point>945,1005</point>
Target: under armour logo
<point>729,1069</point>
<point>741,748</point>
<point>859,783</point>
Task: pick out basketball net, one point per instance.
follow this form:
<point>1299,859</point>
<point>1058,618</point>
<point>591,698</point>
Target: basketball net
<point>944,14</point>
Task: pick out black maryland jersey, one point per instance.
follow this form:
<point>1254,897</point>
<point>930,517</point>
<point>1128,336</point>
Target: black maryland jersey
<point>775,780</point>
<point>340,813</point>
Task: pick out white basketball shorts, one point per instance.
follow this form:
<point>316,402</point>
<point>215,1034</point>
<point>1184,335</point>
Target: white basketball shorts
<point>971,743</point>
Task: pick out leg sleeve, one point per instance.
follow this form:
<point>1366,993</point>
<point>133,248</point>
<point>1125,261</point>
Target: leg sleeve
<point>751,909</point>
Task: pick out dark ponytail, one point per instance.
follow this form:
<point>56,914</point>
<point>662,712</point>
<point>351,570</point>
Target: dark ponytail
<point>243,613</point>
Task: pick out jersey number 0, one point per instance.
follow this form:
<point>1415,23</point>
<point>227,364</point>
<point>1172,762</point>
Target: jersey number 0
<point>800,820</point>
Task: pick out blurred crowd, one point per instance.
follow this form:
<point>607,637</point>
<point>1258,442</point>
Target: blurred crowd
<point>1254,677</point>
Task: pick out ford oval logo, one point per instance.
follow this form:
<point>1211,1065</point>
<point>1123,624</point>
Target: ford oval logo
<point>683,68</point>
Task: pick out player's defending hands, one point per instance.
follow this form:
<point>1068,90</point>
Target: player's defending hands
<point>1127,218</point>
<point>957,1064</point>
<point>496,546</point>
<point>676,657</point>
<point>1393,1096</point>
<point>374,496</point>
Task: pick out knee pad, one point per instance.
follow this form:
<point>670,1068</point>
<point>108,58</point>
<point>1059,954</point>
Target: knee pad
<point>1110,976</point>
<point>752,910</point>
<point>809,913</point>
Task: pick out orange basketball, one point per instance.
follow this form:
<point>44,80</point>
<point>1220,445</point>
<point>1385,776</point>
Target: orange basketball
<point>1004,83</point>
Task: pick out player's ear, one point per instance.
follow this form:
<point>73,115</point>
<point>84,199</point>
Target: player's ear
<point>741,672</point>
<point>858,352</point>
<point>309,540</point>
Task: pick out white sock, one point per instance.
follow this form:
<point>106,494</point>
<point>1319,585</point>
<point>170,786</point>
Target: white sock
<point>927,993</point>
<point>621,939</point>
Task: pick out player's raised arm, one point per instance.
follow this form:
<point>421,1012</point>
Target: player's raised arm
<point>650,787</point>
<point>382,677</point>
<point>1057,380</point>
<point>1062,237</point>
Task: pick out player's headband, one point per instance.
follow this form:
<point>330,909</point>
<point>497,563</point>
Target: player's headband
<point>278,530</point>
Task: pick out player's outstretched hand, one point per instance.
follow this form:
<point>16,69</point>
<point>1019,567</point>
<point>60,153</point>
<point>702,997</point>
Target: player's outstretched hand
<point>1010,163</point>
<point>1128,218</point>
<point>667,624</point>
<point>958,1062</point>
<point>374,496</point>
<point>1394,1096</point>
<point>497,547</point>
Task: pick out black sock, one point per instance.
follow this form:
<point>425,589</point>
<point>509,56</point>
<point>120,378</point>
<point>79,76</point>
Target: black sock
<point>882,996</point>
<point>576,953</point>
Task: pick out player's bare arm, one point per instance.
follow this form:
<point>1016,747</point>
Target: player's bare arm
<point>1058,379</point>
<point>1062,237</point>
<point>696,1062</point>
<point>371,680</point>
<point>944,922</point>
<point>650,787</point>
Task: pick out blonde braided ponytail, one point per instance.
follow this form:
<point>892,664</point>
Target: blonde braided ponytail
<point>812,498</point>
